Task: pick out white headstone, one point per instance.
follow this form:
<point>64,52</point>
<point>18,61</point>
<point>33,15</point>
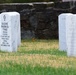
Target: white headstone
<point>63,21</point>
<point>71,37</point>
<point>9,32</point>
<point>0,32</point>
<point>74,37</point>
<point>18,27</point>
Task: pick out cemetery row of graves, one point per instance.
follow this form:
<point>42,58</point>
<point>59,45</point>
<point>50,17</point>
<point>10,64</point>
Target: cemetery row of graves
<point>67,33</point>
<point>10,35</point>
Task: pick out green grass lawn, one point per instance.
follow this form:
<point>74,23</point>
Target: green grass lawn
<point>37,57</point>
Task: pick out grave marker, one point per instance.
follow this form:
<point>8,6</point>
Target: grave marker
<point>0,32</point>
<point>63,20</point>
<point>18,27</point>
<point>71,35</point>
<point>10,31</point>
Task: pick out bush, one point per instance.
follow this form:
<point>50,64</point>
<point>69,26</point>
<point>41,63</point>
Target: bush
<point>6,1</point>
<point>24,1</point>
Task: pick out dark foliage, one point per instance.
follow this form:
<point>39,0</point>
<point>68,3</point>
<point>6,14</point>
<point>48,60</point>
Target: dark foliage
<point>25,1</point>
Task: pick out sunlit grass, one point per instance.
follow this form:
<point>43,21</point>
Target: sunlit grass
<point>37,57</point>
<point>40,44</point>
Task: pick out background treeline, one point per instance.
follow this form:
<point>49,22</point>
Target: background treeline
<point>25,1</point>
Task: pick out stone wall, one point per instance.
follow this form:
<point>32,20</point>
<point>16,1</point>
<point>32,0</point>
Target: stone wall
<point>38,20</point>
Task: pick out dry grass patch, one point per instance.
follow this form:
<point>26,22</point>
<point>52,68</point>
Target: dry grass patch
<point>37,45</point>
<point>37,59</point>
<point>44,60</point>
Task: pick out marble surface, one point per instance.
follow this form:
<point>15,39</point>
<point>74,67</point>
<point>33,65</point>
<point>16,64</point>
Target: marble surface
<point>10,31</point>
